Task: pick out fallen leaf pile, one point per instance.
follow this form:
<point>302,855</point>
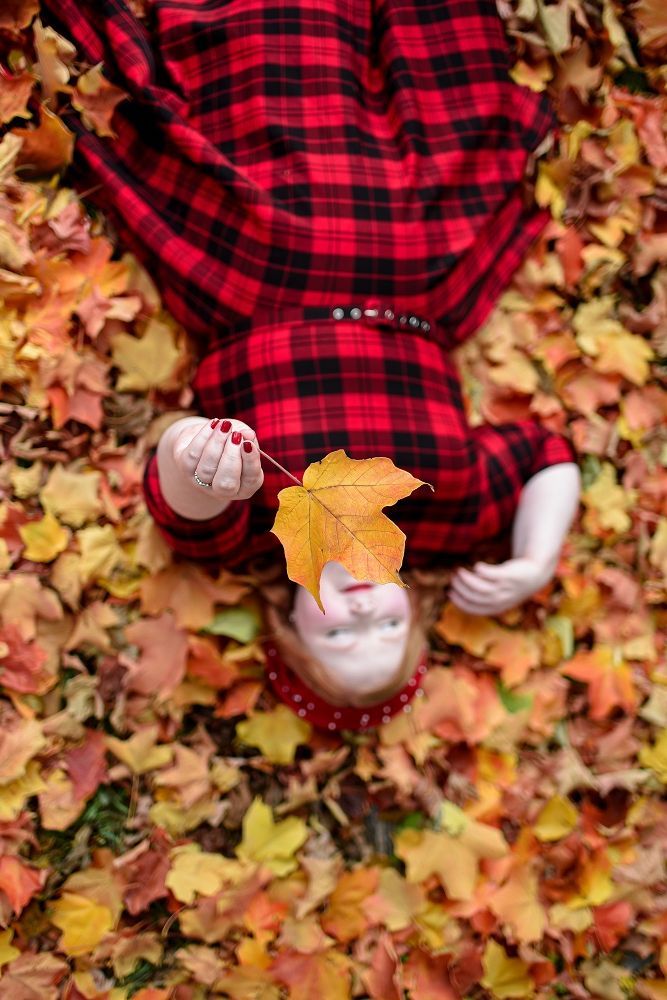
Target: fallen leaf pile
<point>507,839</point>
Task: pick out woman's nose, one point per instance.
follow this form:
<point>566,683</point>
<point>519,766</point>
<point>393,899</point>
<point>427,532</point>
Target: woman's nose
<point>360,604</point>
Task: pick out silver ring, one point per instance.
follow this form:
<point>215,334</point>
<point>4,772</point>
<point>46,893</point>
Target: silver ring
<point>200,482</point>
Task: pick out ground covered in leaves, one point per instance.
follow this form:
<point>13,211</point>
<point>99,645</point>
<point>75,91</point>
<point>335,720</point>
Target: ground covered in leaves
<point>506,840</point>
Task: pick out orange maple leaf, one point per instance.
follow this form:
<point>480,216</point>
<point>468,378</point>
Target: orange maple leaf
<point>324,974</point>
<point>609,680</point>
<point>19,882</point>
<point>344,917</point>
<point>336,515</point>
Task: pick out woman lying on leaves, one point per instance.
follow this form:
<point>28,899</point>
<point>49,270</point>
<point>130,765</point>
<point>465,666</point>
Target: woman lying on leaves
<point>330,197</point>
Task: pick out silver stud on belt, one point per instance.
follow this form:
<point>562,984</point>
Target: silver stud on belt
<point>356,312</point>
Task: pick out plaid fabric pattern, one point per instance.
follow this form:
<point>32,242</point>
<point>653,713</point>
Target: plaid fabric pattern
<point>278,159</point>
<point>310,388</point>
<point>296,154</point>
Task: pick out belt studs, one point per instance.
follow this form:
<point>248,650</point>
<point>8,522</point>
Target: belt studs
<point>356,313</point>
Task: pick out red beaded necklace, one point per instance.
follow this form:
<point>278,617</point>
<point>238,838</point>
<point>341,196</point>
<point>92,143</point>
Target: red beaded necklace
<point>289,688</point>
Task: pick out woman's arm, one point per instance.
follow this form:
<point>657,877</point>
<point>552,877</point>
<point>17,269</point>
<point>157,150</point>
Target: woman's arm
<point>546,509</point>
<point>547,506</point>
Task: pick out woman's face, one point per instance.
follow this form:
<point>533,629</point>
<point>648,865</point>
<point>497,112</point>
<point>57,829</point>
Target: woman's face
<point>361,639</point>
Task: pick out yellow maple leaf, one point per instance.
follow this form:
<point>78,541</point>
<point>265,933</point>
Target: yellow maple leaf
<point>516,903</point>
<point>73,497</point>
<point>536,77</point>
<point>268,843</point>
<point>336,515</point>
<point>556,819</point>
<point>100,552</point>
<point>505,976</point>
<point>516,372</point>
<point>43,539</point>
<point>26,482</point>
<point>146,362</point>
<point>655,757</point>
<point>657,553</point>
<point>14,794</point>
<point>277,733</point>
<point>614,349</point>
<point>608,503</point>
<point>83,922</point>
<point>177,819</point>
<point>453,857</point>
<point>195,872</point>
<point>140,752</point>
<point>7,950</point>
<point>396,902</point>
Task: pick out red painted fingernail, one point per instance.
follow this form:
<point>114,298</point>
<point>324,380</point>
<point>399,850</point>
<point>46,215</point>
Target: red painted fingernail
<point>215,422</point>
<point>225,426</point>
<point>237,437</point>
<point>247,446</point>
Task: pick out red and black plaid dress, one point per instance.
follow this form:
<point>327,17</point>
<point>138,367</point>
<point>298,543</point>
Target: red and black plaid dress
<point>328,194</point>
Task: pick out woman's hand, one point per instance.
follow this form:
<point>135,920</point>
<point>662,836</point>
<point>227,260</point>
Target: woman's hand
<point>490,590</point>
<point>223,453</point>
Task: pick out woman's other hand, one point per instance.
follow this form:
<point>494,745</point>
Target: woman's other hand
<point>222,452</point>
<point>489,590</point>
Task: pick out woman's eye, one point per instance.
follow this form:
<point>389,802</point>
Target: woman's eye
<point>333,632</point>
<point>390,623</point>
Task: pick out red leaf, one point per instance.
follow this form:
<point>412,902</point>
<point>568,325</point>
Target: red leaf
<point>19,882</point>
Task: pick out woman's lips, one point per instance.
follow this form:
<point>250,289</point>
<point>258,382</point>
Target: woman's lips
<point>358,586</point>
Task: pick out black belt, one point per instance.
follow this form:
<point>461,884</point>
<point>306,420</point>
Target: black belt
<point>375,314</point>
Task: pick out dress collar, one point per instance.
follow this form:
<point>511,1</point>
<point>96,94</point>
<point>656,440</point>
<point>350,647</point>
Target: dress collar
<point>289,688</point>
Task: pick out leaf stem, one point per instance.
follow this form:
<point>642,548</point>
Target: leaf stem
<point>278,466</point>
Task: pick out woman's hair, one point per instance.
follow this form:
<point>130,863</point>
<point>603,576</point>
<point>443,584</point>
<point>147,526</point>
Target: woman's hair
<point>426,593</point>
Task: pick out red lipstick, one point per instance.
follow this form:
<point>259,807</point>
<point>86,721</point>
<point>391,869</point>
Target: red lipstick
<point>358,586</point>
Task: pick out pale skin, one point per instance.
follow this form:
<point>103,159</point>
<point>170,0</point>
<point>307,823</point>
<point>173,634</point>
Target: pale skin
<point>361,638</point>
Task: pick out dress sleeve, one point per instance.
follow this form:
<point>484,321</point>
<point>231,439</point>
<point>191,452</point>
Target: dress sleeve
<point>508,455</point>
<point>220,540</point>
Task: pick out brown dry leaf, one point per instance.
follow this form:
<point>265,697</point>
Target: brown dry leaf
<point>14,94</point>
<point>96,98</point>
<point>161,666</point>
<point>324,974</point>
<point>140,752</point>
<point>190,593</point>
<point>46,149</point>
<point>33,976</point>
<point>54,53</point>
<point>23,600</point>
<point>650,16</point>
<point>17,14</point>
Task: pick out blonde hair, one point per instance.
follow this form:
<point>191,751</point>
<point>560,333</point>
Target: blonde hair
<point>276,592</point>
